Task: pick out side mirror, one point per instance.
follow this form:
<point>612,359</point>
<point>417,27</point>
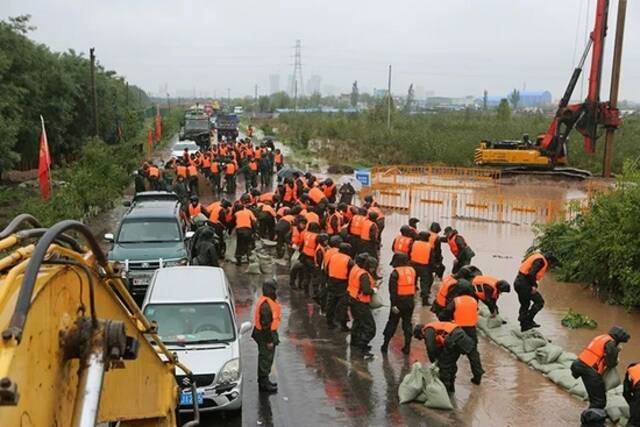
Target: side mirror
<point>189,234</point>
<point>108,237</point>
<point>244,328</point>
<point>126,203</point>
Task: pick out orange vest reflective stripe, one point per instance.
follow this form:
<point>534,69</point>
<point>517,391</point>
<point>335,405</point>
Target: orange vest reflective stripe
<point>455,250</point>
<point>478,283</point>
<point>215,167</point>
<point>279,159</point>
<point>466,311</point>
<point>192,170</point>
<point>406,280</point>
<point>181,171</point>
<point>442,330</point>
<point>312,217</point>
<point>441,298</point>
<point>339,266</point>
<point>319,248</point>
<point>253,166</point>
<point>365,232</point>
<point>268,209</point>
<point>328,190</point>
<point>421,252</point>
<point>275,311</point>
<point>355,227</point>
<point>194,210</point>
<point>316,195</point>
<point>289,193</point>
<point>528,263</point>
<point>593,355</point>
<point>353,285</point>
<point>330,230</point>
<point>633,372</point>
<point>154,172</point>
<point>230,168</point>
<point>401,244</point>
<point>328,255</point>
<point>244,218</point>
<point>309,243</point>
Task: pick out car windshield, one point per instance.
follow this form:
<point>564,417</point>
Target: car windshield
<point>139,231</point>
<point>189,323</point>
<point>197,124</point>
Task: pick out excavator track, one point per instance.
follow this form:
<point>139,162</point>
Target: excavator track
<point>558,171</point>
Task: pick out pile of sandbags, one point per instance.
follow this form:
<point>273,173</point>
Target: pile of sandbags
<point>423,385</point>
<point>534,349</point>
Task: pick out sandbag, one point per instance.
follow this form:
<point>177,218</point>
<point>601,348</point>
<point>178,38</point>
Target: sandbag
<point>611,379</point>
<point>294,258</point>
<point>563,378</point>
<point>526,357</point>
<point>495,322</point>
<point>579,390</point>
<point>617,408</point>
<point>548,354</point>
<point>545,368</point>
<point>253,268</point>
<point>376,301</point>
<point>566,358</point>
<point>231,244</point>
<point>483,310</point>
<point>411,385</point>
<point>482,324</point>
<point>533,343</point>
<point>435,391</point>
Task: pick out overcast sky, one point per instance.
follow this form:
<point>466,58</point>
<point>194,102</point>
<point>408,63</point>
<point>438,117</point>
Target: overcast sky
<point>450,47</point>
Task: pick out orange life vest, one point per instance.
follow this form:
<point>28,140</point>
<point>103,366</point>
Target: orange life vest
<point>355,227</point>
<point>378,211</point>
<point>258,154</point>
<point>214,212</point>
<point>206,163</point>
<point>279,159</point>
<point>319,248</point>
<point>365,232</point>
<point>266,197</point>
<point>312,217</point>
<point>215,167</point>
<point>406,280</point>
<point>288,218</point>
<point>253,166</point>
<point>441,298</point>
<point>466,311</point>
<point>309,243</point>
<point>339,266</point>
<point>329,253</point>
<point>525,267</point>
<point>154,172</point>
<point>330,229</point>
<point>401,244</point>
<point>268,209</point>
<point>316,195</point>
<point>478,283</point>
<point>181,171</point>
<point>442,330</point>
<point>230,168</point>
<point>244,218</point>
<point>296,236</point>
<point>353,285</point>
<point>194,210</point>
<point>289,193</point>
<point>633,372</point>
<point>281,211</point>
<point>275,311</point>
<point>192,170</point>
<point>421,252</point>
<point>328,190</point>
<point>593,355</point>
<point>455,250</point>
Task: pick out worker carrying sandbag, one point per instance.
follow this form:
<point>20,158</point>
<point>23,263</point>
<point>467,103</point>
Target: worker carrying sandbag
<point>488,289</point>
<point>445,342</point>
<point>631,393</point>
<point>459,248</point>
<point>600,355</point>
<point>530,273</point>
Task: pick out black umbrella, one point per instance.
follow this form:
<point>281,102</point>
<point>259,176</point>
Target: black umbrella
<point>287,172</point>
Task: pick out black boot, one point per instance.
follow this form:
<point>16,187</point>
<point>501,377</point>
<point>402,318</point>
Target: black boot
<point>266,386</point>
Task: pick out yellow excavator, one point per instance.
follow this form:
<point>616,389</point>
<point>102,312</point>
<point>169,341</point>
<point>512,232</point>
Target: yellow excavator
<point>75,350</point>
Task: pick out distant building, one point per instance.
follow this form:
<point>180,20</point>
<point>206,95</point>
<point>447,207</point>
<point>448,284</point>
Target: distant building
<point>313,85</point>
<point>379,93</point>
<point>527,99</point>
<point>274,83</point>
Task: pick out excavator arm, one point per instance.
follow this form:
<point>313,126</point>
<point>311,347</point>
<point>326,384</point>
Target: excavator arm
<point>74,349</point>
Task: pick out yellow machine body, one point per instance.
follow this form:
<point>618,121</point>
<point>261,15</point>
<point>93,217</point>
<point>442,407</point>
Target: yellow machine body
<point>513,157</point>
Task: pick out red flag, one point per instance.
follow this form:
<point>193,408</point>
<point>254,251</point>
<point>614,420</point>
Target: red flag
<point>149,141</point>
<point>44,164</point>
<point>158,125</point>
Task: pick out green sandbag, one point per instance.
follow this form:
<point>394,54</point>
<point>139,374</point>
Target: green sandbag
<point>611,379</point>
<point>617,408</point>
<point>579,390</point>
<point>533,343</point>
<point>436,392</point>
<point>411,384</point>
<point>548,354</point>
<point>563,378</point>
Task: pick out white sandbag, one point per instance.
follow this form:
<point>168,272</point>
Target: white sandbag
<point>435,391</point>
<point>533,343</point>
<point>617,408</point>
<point>611,379</point>
<point>483,310</point>
<point>578,390</point>
<point>495,322</point>
<point>545,368</point>
<point>615,391</point>
<point>526,356</point>
<point>482,324</point>
<point>411,385</point>
<point>548,354</point>
<point>231,243</point>
<point>566,357</point>
<point>563,378</point>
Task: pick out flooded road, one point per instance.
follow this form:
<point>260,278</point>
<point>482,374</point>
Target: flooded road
<point>322,383</point>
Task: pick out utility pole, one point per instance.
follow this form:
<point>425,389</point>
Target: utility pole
<point>168,103</point>
<point>389,100</point>
<point>295,95</point>
<point>94,94</point>
<point>615,83</point>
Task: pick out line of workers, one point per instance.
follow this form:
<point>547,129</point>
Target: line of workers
<point>337,247</point>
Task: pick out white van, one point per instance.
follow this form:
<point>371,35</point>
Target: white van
<point>194,309</point>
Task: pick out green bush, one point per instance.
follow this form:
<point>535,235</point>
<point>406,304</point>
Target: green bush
<point>600,246</point>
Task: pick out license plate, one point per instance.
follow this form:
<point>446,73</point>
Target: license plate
<point>140,282</point>
<point>186,399</point>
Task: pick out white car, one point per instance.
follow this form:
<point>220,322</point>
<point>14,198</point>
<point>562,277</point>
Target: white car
<point>178,148</point>
<point>194,309</point>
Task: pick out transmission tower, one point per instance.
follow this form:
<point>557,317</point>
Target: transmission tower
<point>297,68</point>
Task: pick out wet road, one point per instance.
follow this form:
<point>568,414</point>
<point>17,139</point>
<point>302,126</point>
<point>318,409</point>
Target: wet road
<point>322,383</point>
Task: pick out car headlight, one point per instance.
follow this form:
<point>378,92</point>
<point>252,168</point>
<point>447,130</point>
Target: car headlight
<point>176,262</point>
<point>230,372</point>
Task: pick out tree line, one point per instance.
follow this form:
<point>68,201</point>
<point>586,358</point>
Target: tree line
<point>35,81</point>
